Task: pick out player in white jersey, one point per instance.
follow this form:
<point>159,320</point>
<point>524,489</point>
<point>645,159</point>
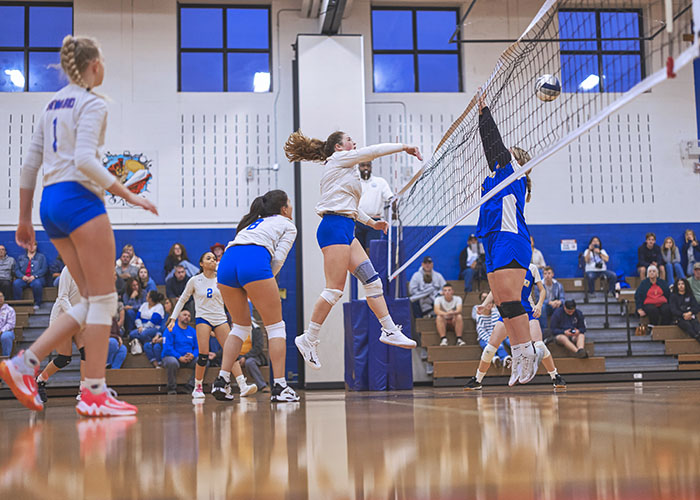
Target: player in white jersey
<point>209,317</point>
<point>65,146</point>
<point>339,208</point>
<point>247,269</point>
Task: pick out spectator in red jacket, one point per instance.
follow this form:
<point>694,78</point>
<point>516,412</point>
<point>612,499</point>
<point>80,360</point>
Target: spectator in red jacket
<point>651,298</point>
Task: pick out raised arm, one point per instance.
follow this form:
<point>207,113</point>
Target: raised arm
<point>495,150</point>
<point>351,158</point>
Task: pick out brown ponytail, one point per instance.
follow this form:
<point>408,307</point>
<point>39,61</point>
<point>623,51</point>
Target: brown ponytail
<point>301,148</point>
<point>271,203</point>
<point>76,55</point>
<point>522,157</point>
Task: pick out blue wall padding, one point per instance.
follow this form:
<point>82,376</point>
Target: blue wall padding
<point>356,346</point>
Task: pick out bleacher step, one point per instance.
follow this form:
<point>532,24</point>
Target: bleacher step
<point>457,369</point>
<point>640,363</point>
<point>638,349</point>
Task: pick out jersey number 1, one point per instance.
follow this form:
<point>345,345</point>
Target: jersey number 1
<point>55,139</point>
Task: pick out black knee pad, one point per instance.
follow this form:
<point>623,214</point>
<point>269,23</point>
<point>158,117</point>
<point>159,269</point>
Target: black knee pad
<point>82,354</point>
<point>61,361</point>
<point>202,359</point>
<point>511,309</point>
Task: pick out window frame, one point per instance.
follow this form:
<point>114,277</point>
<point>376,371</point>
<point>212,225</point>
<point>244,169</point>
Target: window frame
<point>26,49</point>
<point>224,51</point>
<point>415,51</point>
<point>599,52</point>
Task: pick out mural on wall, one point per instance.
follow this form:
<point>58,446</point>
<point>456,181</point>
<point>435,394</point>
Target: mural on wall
<point>135,171</point>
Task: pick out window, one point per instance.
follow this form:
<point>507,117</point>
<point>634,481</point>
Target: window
<point>224,49</point>
<point>609,57</point>
<point>30,43</point>
<point>411,50</point>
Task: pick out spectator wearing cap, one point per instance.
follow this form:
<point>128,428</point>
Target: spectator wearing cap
<point>651,298</point>
<point>649,254</point>
<point>7,272</point>
<point>218,250</point>
<point>568,326</point>
<point>471,262</point>
<point>425,285</point>
<point>376,194</point>
<point>694,281</point>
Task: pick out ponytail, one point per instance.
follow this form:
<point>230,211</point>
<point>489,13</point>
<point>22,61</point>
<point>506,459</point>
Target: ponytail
<point>76,54</point>
<point>271,203</point>
<point>301,148</point>
<point>522,157</point>
<point>528,187</point>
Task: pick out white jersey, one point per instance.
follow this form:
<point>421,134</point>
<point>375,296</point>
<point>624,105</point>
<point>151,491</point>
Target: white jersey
<point>208,303</point>
<point>66,141</point>
<point>68,295</point>
<point>375,194</point>
<point>340,184</point>
<point>536,278</point>
<point>276,233</point>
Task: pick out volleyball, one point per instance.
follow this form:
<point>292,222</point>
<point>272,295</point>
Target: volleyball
<point>547,88</point>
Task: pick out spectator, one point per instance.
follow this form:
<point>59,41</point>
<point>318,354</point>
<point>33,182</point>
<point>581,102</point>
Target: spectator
<point>132,259</point>
<point>376,194</point>
<point>178,256</point>
<point>218,250</point>
<point>125,270</point>
<point>554,299</point>
<point>537,257</point>
<point>568,326</point>
<point>180,349</point>
<point>175,286</point>
<point>424,286</point>
<point>694,281</point>
<point>597,265</point>
<point>147,283</point>
<point>148,321</point>
<point>448,314</point>
<point>651,298</point>
<point>8,319</point>
<point>132,299</point>
<point>685,309</point>
<point>7,272</point>
<point>255,358</point>
<point>486,315</point>
<point>30,271</point>
<point>649,254</point>
<point>55,271</point>
<point>672,260</point>
<point>690,252</point>
<point>154,348</point>
<point>116,353</point>
<point>471,263</point>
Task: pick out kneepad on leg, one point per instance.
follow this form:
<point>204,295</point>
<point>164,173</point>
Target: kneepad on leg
<point>512,309</point>
<point>276,331</point>
<point>82,354</point>
<point>488,353</point>
<point>79,311</point>
<point>61,361</point>
<point>541,345</point>
<point>369,278</point>
<point>242,332</point>
<point>102,309</point>
<point>202,359</point>
<point>331,295</point>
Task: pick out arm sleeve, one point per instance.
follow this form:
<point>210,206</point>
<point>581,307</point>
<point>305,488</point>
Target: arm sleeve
<point>349,159</point>
<point>640,256</point>
<point>139,319</point>
<point>186,294</point>
<point>556,324</point>
<point>34,158</point>
<point>386,191</point>
<point>673,304</point>
<point>11,321</point>
<point>284,245</point>
<point>536,276</point>
<point>157,316</point>
<point>43,267</point>
<point>362,217</point>
<point>414,291</point>
<point>168,349</point>
<point>562,293</point>
<point>91,120</point>
<point>495,150</point>
<point>639,295</point>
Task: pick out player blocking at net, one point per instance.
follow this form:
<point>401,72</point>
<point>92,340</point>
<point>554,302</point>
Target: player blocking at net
<point>65,144</point>
<point>342,252</point>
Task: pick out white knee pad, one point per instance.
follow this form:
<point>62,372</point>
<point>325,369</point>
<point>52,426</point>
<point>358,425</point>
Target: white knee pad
<point>276,331</point>
<point>541,345</point>
<point>102,309</point>
<point>79,311</point>
<point>488,354</point>
<point>374,289</point>
<point>242,332</point>
<point>331,295</point>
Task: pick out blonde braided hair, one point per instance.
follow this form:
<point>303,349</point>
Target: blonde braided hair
<point>76,54</point>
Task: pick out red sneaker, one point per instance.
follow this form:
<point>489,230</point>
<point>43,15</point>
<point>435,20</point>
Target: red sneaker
<point>104,404</point>
<point>22,381</point>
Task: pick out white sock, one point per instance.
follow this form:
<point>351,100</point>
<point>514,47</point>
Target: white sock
<point>95,385</point>
<point>82,385</point>
<point>197,382</point>
<point>387,322</point>
<point>313,332</point>
<point>225,375</point>
<point>281,381</point>
<point>30,359</point>
<point>240,380</point>
<point>553,374</point>
<point>41,378</point>
<point>480,376</point>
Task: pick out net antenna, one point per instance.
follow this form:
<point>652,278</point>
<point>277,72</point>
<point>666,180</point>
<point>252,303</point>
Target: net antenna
<point>604,58</point>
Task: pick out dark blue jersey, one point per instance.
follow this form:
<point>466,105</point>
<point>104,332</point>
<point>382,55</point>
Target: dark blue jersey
<point>506,210</point>
<point>532,276</point>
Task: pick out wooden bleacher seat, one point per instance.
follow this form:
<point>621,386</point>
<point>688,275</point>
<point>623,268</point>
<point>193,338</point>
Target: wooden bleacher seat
<point>466,369</point>
<point>49,295</point>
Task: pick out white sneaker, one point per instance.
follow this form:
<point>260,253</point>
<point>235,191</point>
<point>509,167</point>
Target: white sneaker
<point>515,369</point>
<point>396,338</point>
<point>283,394</point>
<point>529,364</point>
<point>248,390</point>
<point>198,393</point>
<point>308,351</point>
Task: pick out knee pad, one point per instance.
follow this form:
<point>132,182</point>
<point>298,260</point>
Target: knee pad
<point>61,361</point>
<point>242,332</point>
<point>202,359</point>
<point>82,354</point>
<point>79,311</point>
<point>511,309</point>
<point>374,288</point>
<point>540,345</point>
<point>365,272</point>
<point>102,309</point>
<point>276,331</point>
<point>488,354</point>
<point>331,295</point>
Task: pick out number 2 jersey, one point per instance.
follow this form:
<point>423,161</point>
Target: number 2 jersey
<point>275,232</point>
<point>208,303</point>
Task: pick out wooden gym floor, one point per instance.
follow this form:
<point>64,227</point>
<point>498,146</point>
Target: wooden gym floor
<point>608,441</point>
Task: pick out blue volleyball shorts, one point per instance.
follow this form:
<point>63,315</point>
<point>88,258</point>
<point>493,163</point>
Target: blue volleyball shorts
<point>65,206</point>
<point>243,264</point>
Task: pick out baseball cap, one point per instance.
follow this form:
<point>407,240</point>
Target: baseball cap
<point>696,265</point>
<point>427,260</point>
<point>570,304</point>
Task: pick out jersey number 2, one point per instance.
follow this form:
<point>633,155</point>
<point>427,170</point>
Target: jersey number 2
<point>210,292</point>
<point>55,139</point>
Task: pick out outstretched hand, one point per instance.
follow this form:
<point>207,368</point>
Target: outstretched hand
<point>413,151</point>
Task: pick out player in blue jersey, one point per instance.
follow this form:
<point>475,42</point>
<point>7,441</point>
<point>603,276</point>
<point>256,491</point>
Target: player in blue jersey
<point>506,239</point>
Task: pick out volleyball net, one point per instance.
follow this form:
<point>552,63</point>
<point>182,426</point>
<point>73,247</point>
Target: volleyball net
<point>603,59</point>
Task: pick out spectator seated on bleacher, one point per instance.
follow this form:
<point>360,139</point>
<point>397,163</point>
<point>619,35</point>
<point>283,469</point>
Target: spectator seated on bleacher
<point>537,257</point>
<point>132,258</point>
<point>568,326</point>
<point>55,271</point>
<point>672,260</point>
<point>425,285</point>
<point>147,283</point>
<point>651,298</point>
<point>116,353</point>
<point>694,281</point>
<point>175,286</point>
<point>30,272</point>
<point>180,349</point>
<point>685,309</point>
<point>253,357</point>
<point>132,299</point>
<point>124,269</point>
<point>148,321</point>
<point>471,263</point>
<point>596,259</point>
<point>554,299</point>
<point>178,256</point>
<point>690,252</point>
<point>154,348</point>
<point>649,254</point>
<point>7,272</point>
<point>448,314</point>
<point>486,315</point>
<point>8,319</point>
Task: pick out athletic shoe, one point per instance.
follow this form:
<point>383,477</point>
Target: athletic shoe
<point>41,390</point>
<point>308,350</point>
<point>248,390</point>
<point>77,397</point>
<point>559,382</point>
<point>529,364</point>
<point>460,342</point>
<point>473,385</point>
<point>21,380</point>
<point>443,341</point>
<point>283,394</point>
<point>515,369</point>
<point>221,390</point>
<point>507,361</point>
<point>396,338</point>
<point>198,392</point>
<point>104,404</point>
<point>581,353</point>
